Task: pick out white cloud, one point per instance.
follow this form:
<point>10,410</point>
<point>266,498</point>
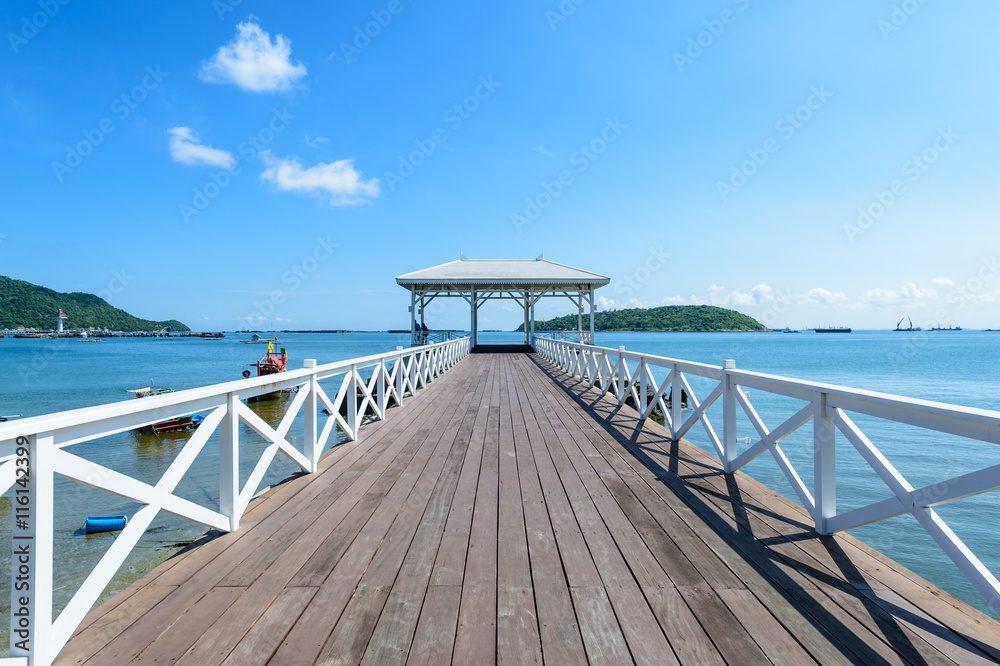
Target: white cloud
<point>908,295</point>
<point>675,300</point>
<point>545,151</point>
<point>312,143</point>
<point>605,304</point>
<point>820,296</point>
<point>760,294</point>
<point>253,62</point>
<point>943,282</point>
<point>186,148</point>
<point>337,181</point>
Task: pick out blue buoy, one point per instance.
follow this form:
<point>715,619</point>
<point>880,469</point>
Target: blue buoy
<point>104,523</point>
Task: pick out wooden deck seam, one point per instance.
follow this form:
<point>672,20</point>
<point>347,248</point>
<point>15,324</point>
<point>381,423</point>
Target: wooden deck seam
<point>864,647</point>
<point>509,513</point>
<point>700,478</point>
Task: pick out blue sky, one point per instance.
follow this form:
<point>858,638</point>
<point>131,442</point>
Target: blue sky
<point>225,162</point>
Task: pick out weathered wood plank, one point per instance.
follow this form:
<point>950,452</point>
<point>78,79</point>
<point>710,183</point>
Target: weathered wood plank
<point>263,639</point>
<point>392,635</point>
<point>508,513</point>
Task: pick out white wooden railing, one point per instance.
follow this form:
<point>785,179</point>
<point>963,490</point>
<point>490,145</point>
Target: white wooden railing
<point>33,452</point>
<point>827,406</point>
<point>583,337</point>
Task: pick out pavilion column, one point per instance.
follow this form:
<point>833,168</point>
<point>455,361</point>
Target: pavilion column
<point>579,318</point>
<point>531,335</point>
<point>413,318</point>
<point>423,326</point>
<point>526,317</point>
<point>591,316</point>
<point>473,324</point>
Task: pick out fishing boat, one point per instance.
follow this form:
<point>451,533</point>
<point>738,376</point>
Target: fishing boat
<point>274,361</point>
<point>169,425</point>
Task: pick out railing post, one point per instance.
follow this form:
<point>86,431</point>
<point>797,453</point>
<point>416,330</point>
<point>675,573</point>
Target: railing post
<point>413,372</point>
<point>825,464</point>
<point>32,503</point>
<point>728,416</point>
<point>642,386</point>
<point>229,462</point>
<point>352,402</point>
<point>380,399</point>
<point>400,378</point>
<point>676,402</point>
<point>621,375</point>
<point>309,409</point>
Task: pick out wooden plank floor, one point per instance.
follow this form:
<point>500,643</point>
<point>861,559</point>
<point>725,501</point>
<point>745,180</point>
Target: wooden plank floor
<point>506,513</point>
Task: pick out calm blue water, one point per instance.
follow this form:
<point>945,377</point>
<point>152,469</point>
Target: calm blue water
<point>44,376</point>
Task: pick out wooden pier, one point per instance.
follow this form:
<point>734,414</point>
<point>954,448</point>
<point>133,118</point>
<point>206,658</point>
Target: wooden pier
<point>507,513</point>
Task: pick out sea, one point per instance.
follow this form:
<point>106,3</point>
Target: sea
<point>42,376</point>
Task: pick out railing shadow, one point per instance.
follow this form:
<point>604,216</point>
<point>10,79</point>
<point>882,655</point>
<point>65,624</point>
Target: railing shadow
<point>848,589</point>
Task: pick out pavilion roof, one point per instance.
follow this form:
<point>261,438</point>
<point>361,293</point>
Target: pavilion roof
<point>503,272</point>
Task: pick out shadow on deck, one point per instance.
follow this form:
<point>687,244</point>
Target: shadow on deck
<point>509,513</point>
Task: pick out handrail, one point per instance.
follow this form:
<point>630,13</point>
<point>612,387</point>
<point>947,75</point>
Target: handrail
<point>34,450</point>
<point>827,407</point>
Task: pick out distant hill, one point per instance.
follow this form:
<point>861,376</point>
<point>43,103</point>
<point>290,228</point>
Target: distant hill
<point>33,306</point>
<point>673,318</point>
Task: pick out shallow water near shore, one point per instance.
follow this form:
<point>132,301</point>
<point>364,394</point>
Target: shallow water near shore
<point>960,367</point>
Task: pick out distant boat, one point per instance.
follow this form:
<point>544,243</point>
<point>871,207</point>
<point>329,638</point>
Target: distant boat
<point>909,328</point>
<point>947,328</point>
<point>788,330</point>
<point>274,361</point>
<point>256,340</point>
<point>833,329</point>
<point>169,425</point>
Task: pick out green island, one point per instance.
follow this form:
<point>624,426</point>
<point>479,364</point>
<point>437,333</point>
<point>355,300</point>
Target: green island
<point>670,318</point>
<point>32,306</point>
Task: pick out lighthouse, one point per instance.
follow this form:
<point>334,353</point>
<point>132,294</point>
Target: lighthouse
<point>60,315</point>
